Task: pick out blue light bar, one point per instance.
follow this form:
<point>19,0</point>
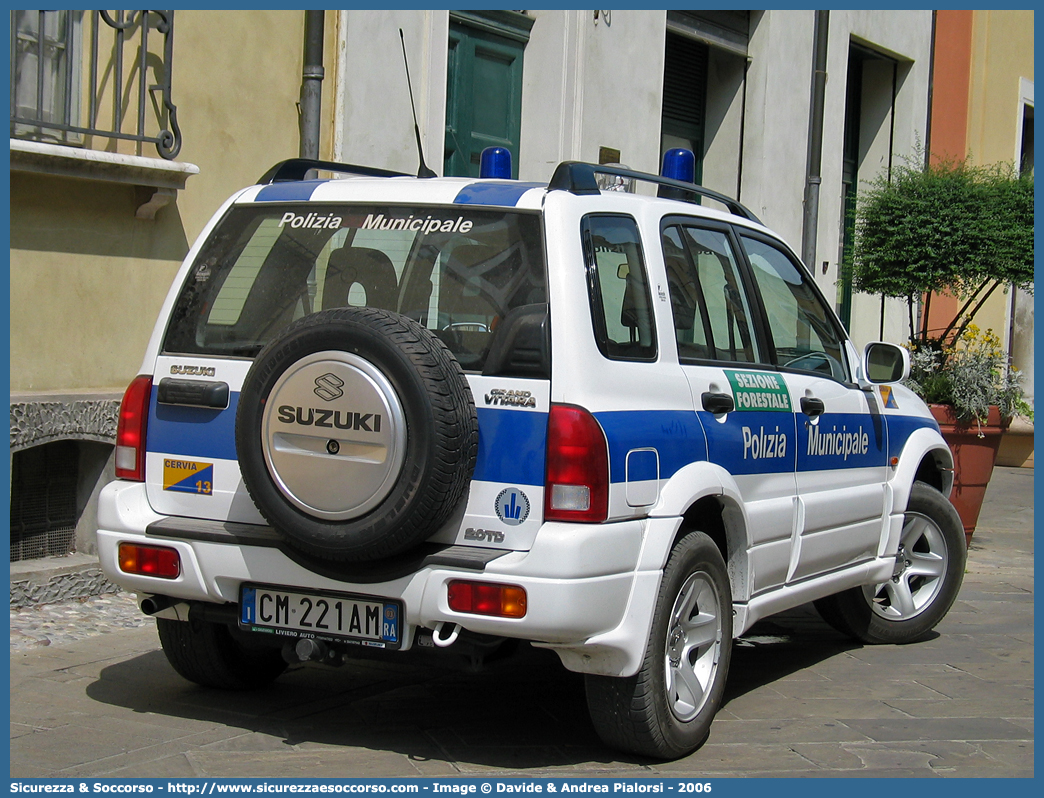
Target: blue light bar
<point>679,164</point>
<point>495,162</point>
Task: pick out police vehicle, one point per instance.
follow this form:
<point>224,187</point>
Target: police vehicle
<point>383,413</point>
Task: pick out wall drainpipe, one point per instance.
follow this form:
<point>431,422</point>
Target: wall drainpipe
<point>810,225</point>
<point>311,84</point>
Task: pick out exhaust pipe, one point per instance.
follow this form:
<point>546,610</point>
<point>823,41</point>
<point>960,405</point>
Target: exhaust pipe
<point>150,605</point>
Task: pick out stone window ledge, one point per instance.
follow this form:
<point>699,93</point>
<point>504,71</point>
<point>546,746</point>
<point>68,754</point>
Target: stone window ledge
<point>42,417</point>
<point>166,177</point>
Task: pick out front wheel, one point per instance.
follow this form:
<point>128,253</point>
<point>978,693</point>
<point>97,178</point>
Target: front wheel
<point>665,710</point>
<point>929,569</point>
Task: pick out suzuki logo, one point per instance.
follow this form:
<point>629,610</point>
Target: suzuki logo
<point>328,387</point>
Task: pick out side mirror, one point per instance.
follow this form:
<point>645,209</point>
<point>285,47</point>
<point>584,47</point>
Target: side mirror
<point>885,363</point>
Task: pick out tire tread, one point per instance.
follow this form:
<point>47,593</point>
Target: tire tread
<point>207,654</point>
<point>848,611</point>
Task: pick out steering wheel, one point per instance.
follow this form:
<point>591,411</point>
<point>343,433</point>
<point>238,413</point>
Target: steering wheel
<point>467,326</point>
<point>832,366</point>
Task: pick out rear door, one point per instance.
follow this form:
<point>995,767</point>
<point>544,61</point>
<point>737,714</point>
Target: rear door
<point>471,276</point>
<point>724,362</point>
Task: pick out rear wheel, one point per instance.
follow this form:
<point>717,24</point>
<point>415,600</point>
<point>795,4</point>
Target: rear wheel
<point>929,569</point>
<point>207,653</point>
<point>665,710</point>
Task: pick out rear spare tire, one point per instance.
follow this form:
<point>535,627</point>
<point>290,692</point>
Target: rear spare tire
<point>356,434</point>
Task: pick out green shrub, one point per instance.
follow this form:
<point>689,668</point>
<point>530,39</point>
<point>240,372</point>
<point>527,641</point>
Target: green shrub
<point>948,227</point>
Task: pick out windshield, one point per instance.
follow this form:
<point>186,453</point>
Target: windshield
<point>457,271</point>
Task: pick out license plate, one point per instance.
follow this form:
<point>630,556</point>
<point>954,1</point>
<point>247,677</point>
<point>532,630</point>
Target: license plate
<point>365,620</point>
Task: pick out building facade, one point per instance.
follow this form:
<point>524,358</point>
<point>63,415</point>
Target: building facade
<point>128,129</point>
<point>738,87</point>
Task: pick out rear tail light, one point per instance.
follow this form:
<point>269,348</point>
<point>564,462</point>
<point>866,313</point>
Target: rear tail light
<point>577,486</point>
<point>150,560</point>
<point>486,598</point>
<point>130,430</point>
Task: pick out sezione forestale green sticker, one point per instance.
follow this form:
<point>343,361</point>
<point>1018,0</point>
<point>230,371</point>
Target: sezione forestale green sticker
<point>759,390</point>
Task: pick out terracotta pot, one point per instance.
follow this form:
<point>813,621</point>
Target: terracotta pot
<point>974,450</point>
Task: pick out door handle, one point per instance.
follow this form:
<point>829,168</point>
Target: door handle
<point>193,393</point>
<point>811,406</point>
<point>717,403</point>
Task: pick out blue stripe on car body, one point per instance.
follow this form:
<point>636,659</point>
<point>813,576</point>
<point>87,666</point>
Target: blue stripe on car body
<point>290,191</point>
<point>900,428</point>
<point>842,440</point>
<point>513,444</point>
<point>192,431</point>
<point>506,194</point>
<point>676,435</point>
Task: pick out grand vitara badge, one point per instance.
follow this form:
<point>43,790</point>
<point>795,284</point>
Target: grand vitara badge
<point>759,390</point>
<point>506,398</point>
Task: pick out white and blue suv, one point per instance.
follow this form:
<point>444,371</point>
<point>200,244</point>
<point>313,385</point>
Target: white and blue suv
<point>381,413</point>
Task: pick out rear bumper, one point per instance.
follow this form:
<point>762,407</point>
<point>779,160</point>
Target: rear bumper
<point>580,580</point>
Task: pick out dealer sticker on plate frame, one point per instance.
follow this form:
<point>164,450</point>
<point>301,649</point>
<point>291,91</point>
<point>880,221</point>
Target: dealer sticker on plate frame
<point>342,617</point>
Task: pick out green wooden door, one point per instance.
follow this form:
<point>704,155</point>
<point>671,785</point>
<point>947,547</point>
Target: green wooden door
<point>483,98</point>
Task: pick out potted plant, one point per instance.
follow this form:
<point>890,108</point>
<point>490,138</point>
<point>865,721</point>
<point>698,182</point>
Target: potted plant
<point>951,227</point>
<point>973,392</point>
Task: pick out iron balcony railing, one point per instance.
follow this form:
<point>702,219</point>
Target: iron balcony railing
<point>48,87</point>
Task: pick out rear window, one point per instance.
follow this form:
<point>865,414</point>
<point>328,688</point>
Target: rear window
<point>457,271</point>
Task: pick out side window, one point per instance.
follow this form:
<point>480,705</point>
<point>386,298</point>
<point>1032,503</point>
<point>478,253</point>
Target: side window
<point>711,311</point>
<point>804,334</point>
<point>621,304</point>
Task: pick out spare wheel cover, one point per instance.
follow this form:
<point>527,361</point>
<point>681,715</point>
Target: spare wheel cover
<point>333,434</point>
<point>380,483</point>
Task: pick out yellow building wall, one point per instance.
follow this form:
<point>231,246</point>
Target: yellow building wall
<point>1002,53</point>
<point>87,277</point>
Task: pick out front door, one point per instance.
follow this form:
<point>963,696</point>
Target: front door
<point>841,443</point>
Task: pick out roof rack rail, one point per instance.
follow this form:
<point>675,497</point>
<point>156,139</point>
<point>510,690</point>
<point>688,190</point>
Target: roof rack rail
<point>578,177</point>
<point>295,169</point>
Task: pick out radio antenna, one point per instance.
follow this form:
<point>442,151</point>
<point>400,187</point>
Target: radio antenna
<point>423,170</point>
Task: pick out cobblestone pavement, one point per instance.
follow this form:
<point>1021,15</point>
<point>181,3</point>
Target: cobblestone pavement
<point>69,621</point>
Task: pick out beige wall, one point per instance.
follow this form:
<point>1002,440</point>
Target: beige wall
<point>1002,53</point>
<point>237,79</point>
<point>87,277</point>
